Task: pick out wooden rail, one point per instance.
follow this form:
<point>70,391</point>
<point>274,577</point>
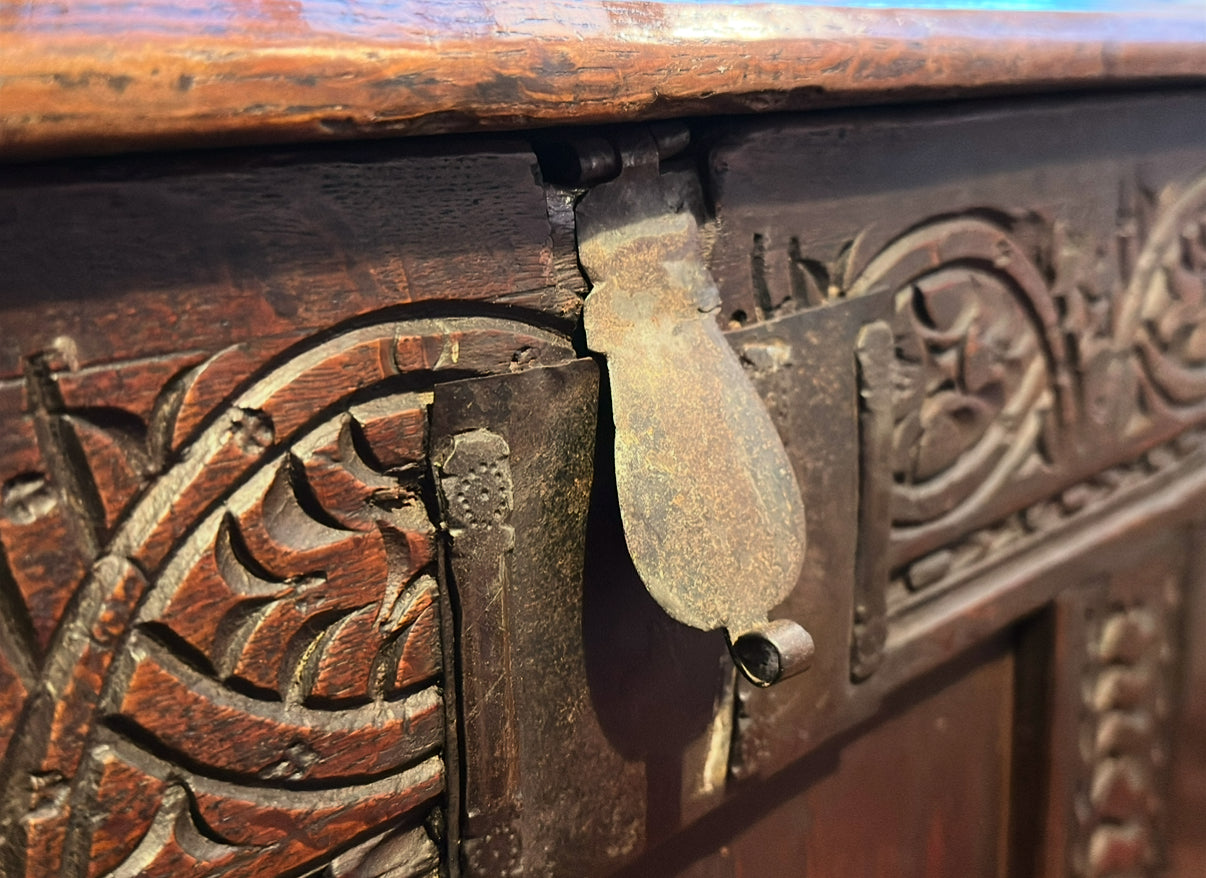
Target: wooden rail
<point>109,75</point>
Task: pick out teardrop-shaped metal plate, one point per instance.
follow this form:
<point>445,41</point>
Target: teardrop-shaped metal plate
<point>712,512</point>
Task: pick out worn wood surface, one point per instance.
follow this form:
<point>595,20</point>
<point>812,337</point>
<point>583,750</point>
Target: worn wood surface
<point>253,652</point>
<point>107,76</point>
<point>161,260</point>
<point>223,644</point>
<point>1042,366</point>
<point>1044,402</point>
<point>1042,750</point>
<point>1186,821</point>
<point>937,813</point>
<point>277,456</point>
<point>1116,647</point>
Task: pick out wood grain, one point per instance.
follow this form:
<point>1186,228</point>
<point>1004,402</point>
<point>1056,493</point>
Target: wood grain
<point>83,78</point>
<point>250,254</point>
<point>253,663</point>
<point>805,249</point>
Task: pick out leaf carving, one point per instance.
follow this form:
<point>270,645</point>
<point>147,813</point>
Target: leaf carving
<point>264,618</point>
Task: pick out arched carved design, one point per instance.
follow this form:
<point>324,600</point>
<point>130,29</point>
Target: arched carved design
<point>248,682</point>
<point>976,378</point>
<point>1163,312</point>
<point>1016,367</point>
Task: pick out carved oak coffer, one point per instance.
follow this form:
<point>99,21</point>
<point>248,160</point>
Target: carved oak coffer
<point>315,502</point>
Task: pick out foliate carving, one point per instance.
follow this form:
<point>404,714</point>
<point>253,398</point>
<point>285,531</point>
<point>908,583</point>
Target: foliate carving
<point>27,498</point>
<point>1167,301</point>
<point>402,852</point>
<point>980,386</point>
<point>1131,372</point>
<point>1031,524</point>
<point>1028,355</point>
<point>974,381</point>
<point>250,677</point>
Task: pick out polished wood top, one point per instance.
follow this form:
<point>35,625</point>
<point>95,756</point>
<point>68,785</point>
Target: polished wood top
<point>96,76</point>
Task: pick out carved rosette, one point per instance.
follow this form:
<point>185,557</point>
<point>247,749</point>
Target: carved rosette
<point>250,680</point>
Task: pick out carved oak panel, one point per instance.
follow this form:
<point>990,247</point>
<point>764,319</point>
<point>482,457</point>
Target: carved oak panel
<point>981,336</point>
<point>251,672</point>
<point>311,561</point>
<point>224,647</point>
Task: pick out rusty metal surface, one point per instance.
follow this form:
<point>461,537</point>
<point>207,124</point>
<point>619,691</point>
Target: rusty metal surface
<point>713,516</point>
<point>527,441</point>
<point>474,478</point>
<point>613,729</point>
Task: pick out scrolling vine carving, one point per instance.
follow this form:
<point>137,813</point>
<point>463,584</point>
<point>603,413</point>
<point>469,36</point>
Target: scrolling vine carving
<point>1013,376</point>
<point>976,375</point>
<point>249,679</point>
<point>1028,357</point>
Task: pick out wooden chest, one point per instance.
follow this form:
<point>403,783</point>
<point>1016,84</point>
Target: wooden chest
<point>331,545</point>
